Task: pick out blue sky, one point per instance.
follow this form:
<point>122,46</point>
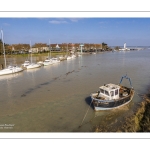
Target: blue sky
<point>113,31</point>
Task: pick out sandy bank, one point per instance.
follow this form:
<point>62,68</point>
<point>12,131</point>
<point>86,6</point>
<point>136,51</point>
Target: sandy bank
<point>138,120</point>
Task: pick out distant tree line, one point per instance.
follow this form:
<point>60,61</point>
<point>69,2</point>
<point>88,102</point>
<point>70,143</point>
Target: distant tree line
<point>9,49</point>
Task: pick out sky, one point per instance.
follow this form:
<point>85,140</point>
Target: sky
<point>112,31</point>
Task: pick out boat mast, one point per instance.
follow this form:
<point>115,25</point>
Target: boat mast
<point>3,48</point>
<point>31,51</point>
<point>67,49</point>
<point>49,48</point>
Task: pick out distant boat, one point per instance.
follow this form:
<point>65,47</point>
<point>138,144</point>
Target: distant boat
<point>40,63</point>
<point>32,65</point>
<point>61,58</point>
<point>10,69</point>
<point>55,60</point>
<point>47,62</point>
<point>69,57</point>
<point>26,63</point>
<point>73,56</point>
<point>112,96</point>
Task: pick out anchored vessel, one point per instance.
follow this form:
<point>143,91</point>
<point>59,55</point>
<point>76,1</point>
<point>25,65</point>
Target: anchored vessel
<point>32,65</point>
<point>112,96</point>
<point>8,69</point>
<point>47,62</point>
<point>26,63</point>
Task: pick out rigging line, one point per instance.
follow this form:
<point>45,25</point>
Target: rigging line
<point>86,114</point>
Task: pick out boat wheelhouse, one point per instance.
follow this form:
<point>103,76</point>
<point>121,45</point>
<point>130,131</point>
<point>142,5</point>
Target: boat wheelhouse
<point>112,96</point>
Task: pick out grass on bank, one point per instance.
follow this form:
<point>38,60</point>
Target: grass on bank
<point>53,54</point>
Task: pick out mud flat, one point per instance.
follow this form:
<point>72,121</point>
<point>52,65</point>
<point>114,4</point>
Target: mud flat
<point>137,120</point>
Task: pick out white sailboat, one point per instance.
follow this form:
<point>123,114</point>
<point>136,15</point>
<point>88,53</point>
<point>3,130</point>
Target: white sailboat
<point>48,60</point>
<point>9,69</point>
<point>55,60</point>
<point>32,65</point>
<point>26,63</point>
<point>73,56</point>
<point>40,62</point>
<point>68,57</point>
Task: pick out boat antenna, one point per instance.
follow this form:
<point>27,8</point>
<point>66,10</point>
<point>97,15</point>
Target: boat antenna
<point>3,47</point>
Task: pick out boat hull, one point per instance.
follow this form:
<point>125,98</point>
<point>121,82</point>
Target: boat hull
<point>10,71</point>
<point>32,66</point>
<point>110,104</point>
<point>47,63</point>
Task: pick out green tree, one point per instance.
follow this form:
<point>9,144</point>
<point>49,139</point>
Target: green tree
<point>104,46</point>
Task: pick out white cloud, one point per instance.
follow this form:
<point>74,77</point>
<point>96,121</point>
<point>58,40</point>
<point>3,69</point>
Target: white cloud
<point>58,21</point>
<point>102,22</point>
<point>6,24</point>
<point>75,19</point>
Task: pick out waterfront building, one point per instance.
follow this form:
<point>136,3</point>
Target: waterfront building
<point>124,48</point>
<point>43,47</point>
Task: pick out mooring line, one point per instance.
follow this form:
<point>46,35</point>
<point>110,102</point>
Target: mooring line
<point>86,113</point>
<point>140,95</point>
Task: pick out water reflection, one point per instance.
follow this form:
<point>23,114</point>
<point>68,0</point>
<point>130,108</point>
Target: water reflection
<point>10,76</point>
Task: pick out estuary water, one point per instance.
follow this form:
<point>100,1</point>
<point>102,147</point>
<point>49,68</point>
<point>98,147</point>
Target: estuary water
<point>56,98</point>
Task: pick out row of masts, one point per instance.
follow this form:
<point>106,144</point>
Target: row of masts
<point>3,48</point>
<point>49,54</point>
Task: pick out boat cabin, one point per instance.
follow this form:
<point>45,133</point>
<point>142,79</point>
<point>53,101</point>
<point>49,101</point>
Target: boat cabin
<point>109,91</point>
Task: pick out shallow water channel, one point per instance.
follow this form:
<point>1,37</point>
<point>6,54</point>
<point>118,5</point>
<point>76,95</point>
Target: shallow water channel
<point>56,98</point>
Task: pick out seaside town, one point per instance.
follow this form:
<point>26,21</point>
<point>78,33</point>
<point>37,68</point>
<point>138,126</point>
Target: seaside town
<point>43,47</point>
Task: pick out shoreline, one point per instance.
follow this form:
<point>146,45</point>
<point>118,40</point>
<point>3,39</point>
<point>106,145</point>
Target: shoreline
<point>137,120</point>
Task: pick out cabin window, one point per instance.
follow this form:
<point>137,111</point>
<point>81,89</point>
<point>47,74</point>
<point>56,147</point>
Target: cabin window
<point>112,93</point>
<point>106,92</point>
<point>116,92</point>
<point>101,90</point>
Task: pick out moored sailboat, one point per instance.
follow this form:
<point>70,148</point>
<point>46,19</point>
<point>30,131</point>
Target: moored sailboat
<point>10,69</point>
<point>48,60</point>
<point>32,65</point>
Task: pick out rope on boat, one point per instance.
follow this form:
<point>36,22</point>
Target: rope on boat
<point>85,114</point>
